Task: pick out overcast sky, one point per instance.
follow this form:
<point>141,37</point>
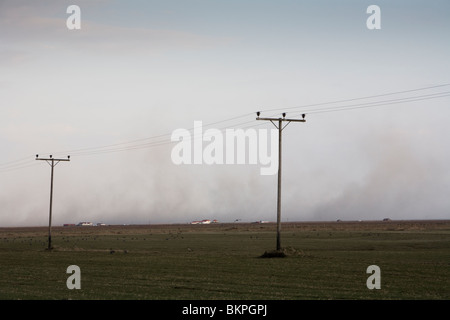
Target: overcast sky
<point>138,70</point>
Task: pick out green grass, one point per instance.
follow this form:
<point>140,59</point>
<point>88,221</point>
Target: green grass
<point>224,264</point>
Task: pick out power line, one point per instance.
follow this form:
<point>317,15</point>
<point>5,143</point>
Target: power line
<point>359,98</point>
<point>129,146</point>
<point>141,143</point>
<point>379,103</point>
<point>16,164</point>
<point>164,139</point>
<point>17,167</point>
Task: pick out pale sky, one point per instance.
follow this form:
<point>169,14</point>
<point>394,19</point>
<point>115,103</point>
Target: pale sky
<point>138,70</point>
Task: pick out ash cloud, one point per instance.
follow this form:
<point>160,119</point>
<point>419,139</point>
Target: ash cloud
<point>405,181</point>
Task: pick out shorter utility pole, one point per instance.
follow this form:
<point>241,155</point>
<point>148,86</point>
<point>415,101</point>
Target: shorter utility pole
<point>52,162</point>
<point>280,128</point>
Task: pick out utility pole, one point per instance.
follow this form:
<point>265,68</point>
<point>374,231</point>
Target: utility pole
<point>280,128</point>
<point>52,162</point>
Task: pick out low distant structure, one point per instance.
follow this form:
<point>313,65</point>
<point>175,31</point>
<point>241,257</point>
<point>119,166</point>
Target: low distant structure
<point>205,221</point>
<point>85,224</point>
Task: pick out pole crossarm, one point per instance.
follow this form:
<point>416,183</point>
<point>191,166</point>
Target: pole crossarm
<point>52,159</point>
<point>282,119</point>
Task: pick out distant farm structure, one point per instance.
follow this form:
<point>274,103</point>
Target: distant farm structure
<point>205,221</point>
<point>85,224</point>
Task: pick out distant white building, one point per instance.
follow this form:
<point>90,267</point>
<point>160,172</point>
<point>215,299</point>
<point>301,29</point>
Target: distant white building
<point>206,221</point>
<point>85,224</point>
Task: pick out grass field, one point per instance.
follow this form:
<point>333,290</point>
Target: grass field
<point>222,261</point>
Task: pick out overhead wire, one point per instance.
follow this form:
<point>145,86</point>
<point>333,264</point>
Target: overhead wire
<point>147,144</point>
<point>161,140</point>
<point>164,139</point>
<point>17,166</point>
<point>359,98</point>
<point>153,141</point>
<point>378,103</point>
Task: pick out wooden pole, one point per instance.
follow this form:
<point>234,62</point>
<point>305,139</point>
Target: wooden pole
<point>51,162</point>
<point>280,129</point>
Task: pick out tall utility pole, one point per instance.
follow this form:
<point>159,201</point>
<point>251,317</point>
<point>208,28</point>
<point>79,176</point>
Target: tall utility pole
<point>280,128</point>
<point>52,162</point>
